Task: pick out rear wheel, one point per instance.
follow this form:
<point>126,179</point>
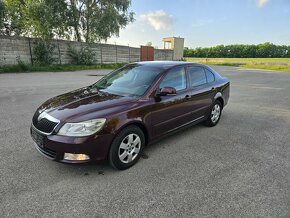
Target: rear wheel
<point>215,114</point>
<point>126,148</point>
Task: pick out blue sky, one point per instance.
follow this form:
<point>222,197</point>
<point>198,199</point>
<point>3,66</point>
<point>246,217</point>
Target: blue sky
<point>208,22</point>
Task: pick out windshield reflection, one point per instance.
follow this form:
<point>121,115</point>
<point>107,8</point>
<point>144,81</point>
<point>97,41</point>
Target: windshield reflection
<point>131,80</point>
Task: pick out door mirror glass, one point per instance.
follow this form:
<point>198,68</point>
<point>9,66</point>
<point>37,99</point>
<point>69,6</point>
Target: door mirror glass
<point>167,91</point>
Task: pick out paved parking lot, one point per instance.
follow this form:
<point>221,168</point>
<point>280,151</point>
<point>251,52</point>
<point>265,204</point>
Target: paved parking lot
<point>239,168</point>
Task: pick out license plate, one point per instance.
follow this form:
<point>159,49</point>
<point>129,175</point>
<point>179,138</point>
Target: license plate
<point>37,138</point>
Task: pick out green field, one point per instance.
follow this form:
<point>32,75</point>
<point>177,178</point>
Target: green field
<point>279,64</point>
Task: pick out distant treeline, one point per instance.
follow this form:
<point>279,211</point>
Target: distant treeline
<point>266,50</point>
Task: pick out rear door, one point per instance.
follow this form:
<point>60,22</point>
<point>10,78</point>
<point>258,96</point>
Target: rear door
<point>202,91</point>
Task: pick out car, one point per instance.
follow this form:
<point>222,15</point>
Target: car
<point>114,118</point>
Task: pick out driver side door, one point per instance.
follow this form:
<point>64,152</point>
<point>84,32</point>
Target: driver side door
<point>172,111</point>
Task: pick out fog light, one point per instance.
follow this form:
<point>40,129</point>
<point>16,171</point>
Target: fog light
<point>70,156</point>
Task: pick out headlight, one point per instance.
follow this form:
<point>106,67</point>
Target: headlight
<point>85,128</point>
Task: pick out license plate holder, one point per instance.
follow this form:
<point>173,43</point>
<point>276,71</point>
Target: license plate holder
<point>37,138</point>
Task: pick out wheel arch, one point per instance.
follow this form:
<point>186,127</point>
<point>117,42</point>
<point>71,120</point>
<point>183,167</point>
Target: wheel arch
<point>138,124</point>
<point>219,97</point>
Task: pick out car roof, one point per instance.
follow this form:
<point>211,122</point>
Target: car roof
<point>166,64</point>
<point>162,64</point>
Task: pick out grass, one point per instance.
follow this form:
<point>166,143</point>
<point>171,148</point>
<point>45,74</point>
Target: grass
<point>279,64</point>
<point>20,68</point>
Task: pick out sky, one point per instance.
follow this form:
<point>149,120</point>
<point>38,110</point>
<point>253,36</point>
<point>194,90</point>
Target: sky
<point>205,23</point>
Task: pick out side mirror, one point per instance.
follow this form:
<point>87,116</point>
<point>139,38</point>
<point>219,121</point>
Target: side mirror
<point>167,91</point>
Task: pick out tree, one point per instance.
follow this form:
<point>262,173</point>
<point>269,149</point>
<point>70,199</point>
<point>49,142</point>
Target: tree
<point>17,17</point>
<point>265,50</point>
<point>240,51</point>
<point>149,44</point>
<point>85,20</point>
<point>48,19</point>
<point>10,17</point>
<point>95,20</point>
<point>1,17</point>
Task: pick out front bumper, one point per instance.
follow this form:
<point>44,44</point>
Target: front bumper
<point>54,146</point>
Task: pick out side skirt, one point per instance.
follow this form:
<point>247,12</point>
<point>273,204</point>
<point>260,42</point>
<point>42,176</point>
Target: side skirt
<point>177,129</point>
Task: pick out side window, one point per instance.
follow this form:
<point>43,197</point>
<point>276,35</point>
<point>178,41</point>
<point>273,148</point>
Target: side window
<point>209,75</point>
<point>175,78</point>
<point>197,76</point>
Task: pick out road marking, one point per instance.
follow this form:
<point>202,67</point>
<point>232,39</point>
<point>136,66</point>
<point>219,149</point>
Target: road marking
<point>265,87</point>
<point>266,110</point>
<point>250,70</point>
<point>259,87</point>
<point>256,69</point>
<point>275,111</point>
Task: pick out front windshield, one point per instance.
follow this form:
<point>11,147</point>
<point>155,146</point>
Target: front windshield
<point>132,79</point>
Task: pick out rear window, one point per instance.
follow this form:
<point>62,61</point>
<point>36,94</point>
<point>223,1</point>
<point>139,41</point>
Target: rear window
<point>209,76</point>
<point>197,76</point>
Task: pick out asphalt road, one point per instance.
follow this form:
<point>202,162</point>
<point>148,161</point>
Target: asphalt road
<point>240,168</point>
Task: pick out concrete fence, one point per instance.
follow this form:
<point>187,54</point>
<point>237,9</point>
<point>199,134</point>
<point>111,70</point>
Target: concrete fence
<point>13,47</point>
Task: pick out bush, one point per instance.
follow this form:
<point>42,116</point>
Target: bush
<point>56,68</point>
<point>43,53</point>
<point>12,69</point>
<point>22,65</point>
<point>84,56</point>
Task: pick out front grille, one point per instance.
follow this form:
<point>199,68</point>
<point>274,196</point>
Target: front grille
<point>44,125</point>
<point>47,152</point>
<point>35,117</point>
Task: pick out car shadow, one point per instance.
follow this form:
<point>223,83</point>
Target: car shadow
<point>104,169</point>
<point>163,142</point>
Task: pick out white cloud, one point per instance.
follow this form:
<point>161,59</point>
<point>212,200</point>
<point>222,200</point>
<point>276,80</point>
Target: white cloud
<point>159,20</point>
<point>261,3</point>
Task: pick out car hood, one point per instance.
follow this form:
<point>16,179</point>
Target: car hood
<point>78,105</point>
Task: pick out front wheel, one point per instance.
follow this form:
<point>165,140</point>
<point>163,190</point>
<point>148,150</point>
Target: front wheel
<point>126,148</point>
<point>215,114</point>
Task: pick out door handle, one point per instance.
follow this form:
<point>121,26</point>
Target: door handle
<point>213,88</point>
<point>187,97</point>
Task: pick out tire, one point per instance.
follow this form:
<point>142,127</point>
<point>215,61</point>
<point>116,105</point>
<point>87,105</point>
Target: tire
<point>126,148</point>
<point>214,114</point>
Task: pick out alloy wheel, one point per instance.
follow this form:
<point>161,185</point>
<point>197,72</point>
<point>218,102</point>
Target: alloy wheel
<point>215,113</point>
<point>129,148</point>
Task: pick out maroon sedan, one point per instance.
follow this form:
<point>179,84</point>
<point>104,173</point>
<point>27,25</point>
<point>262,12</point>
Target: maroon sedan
<point>117,116</point>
